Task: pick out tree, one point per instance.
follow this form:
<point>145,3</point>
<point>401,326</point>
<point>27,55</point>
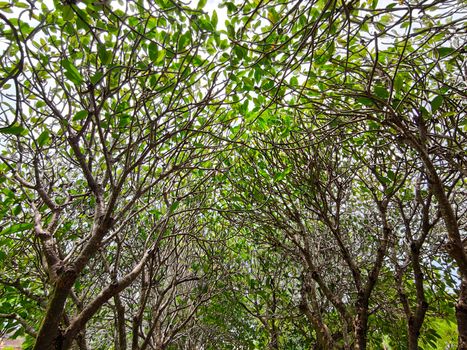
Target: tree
<point>113,117</point>
<point>394,70</point>
<point>292,177</point>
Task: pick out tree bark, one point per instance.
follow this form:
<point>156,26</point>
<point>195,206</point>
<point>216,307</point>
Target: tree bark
<point>323,335</point>
<point>81,340</point>
<point>50,336</point>
<point>361,323</point>
<point>416,320</point>
<point>461,315</point>
<point>120,323</point>
<point>274,342</point>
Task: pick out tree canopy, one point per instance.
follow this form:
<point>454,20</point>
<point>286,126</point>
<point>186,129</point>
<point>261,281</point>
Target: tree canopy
<point>251,174</point>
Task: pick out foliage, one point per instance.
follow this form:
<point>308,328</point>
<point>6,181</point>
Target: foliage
<point>268,174</point>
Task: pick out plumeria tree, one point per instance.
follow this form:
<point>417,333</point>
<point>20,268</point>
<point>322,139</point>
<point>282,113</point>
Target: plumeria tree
<point>110,124</point>
<point>262,174</point>
<point>395,71</point>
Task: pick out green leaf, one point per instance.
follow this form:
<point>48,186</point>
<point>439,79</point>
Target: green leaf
<point>267,84</point>
<point>248,84</point>
<point>104,55</point>
<point>153,51</point>
<point>16,228</point>
<point>96,77</point>
<point>436,103</point>
<point>201,4</point>
<point>214,19</point>
<point>381,92</point>
<point>22,5</point>
<point>244,107</point>
<point>160,56</point>
<point>124,121</point>
<point>294,81</point>
<point>67,13</point>
<point>273,15</point>
<point>384,180</point>
<point>365,101</point>
<point>17,209</point>
<point>184,40</point>
<point>13,130</point>
<point>398,83</point>
<point>206,25</point>
<point>240,51</point>
<point>174,206</point>
<point>444,51</point>
<point>279,176</point>
<point>373,125</point>
<point>43,138</point>
<point>80,115</point>
<point>71,72</point>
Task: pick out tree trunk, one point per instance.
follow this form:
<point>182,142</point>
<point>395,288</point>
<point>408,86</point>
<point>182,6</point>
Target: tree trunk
<point>81,340</point>
<point>361,325</point>
<point>414,334</point>
<point>120,323</point>
<point>415,321</point>
<point>273,343</point>
<point>461,315</point>
<point>49,336</point>
<point>273,333</point>
<point>308,296</point>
